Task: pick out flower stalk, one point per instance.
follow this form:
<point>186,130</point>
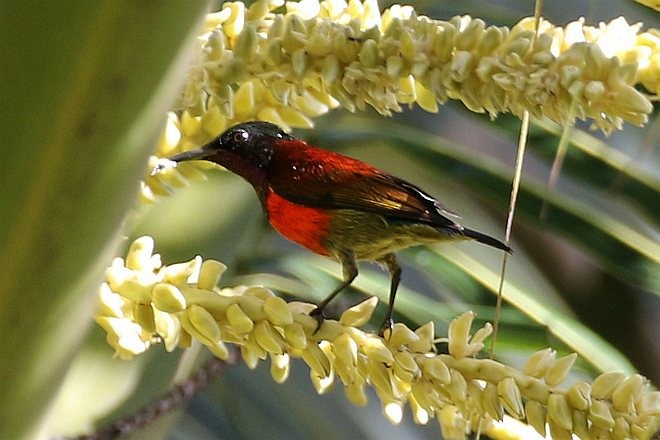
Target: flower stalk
<point>144,302</point>
<point>288,68</point>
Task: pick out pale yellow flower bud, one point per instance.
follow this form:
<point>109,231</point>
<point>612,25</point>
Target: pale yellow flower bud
<point>139,253</point>
<point>539,362</point>
<point>535,413</point>
<point>393,411</point>
<point>400,335</point>
<point>492,403</point>
<point>625,394</point>
<point>143,315</point>
<point>579,395</point>
<point>214,19</point>
<point>329,330</point>
<point>169,138</point>
<point>245,45</point>
<point>559,411</point>
<point>295,335</point>
<point>253,345</point>
<point>420,415</point>
<point>269,338</point>
<point>459,334</point>
<point>168,298</point>
<point>311,105</point>
<point>559,369</point>
<point>557,432</point>
<point>250,357</point>
<point>360,313</point>
<point>423,393</point>
<point>238,320</point>
<point>380,379</point>
<point>127,338</point>
<point>435,369</point>
<point>219,350</point>
<point>477,340</point>
<point>293,118</point>
<point>368,55</point>
<point>355,394</point>
<point>210,272</point>
<point>508,391</point>
<point>330,70</point>
<point>317,360</point>
<point>452,423</point>
<point>322,384</point>
<point>604,385</point>
<point>600,415</point>
<point>580,424</point>
<point>405,367</point>
<point>277,311</point>
<point>371,15</point>
<point>375,349</point>
<point>252,307</point>
<point>424,344</point>
<point>258,10</point>
<point>305,9</point>
<point>621,428</point>
<point>425,99</point>
<point>199,323</point>
<point>168,328</point>
<point>109,303</point>
<point>190,125</point>
<point>213,302</point>
<point>648,403</point>
<point>345,349</point>
<point>234,25</point>
<point>280,365</point>
<point>457,387</point>
<point>182,272</point>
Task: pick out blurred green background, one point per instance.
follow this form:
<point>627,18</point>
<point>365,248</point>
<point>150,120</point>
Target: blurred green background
<point>585,277</point>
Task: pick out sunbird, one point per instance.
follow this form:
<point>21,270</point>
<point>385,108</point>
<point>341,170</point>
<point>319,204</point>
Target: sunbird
<point>332,204</point>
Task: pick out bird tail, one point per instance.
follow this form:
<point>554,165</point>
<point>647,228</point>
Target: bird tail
<point>486,239</point>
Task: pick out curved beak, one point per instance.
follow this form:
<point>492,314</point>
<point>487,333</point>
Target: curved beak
<point>199,154</point>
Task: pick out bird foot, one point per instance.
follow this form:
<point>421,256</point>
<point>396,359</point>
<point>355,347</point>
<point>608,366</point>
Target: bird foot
<point>318,315</point>
<point>388,324</point>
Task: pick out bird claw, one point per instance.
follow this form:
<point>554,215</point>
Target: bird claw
<point>318,315</point>
<point>388,324</point>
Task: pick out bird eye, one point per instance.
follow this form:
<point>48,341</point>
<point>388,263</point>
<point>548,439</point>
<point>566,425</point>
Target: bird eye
<point>240,136</point>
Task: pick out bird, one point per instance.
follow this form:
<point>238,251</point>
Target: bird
<point>332,204</point>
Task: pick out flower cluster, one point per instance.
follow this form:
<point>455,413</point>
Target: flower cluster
<point>252,64</point>
<point>286,68</point>
<point>143,302</point>
<point>655,4</point>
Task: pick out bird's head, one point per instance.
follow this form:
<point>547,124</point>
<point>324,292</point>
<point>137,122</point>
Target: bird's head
<point>245,149</point>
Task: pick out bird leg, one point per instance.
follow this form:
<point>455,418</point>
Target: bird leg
<point>349,268</point>
<point>394,269</point>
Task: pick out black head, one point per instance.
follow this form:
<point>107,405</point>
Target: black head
<point>245,149</point>
<point>253,141</point>
<point>243,145</point>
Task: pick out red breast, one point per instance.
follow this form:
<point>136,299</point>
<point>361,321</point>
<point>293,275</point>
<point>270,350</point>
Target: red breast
<point>301,224</point>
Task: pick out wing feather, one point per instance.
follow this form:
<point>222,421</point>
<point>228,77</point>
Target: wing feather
<point>318,178</point>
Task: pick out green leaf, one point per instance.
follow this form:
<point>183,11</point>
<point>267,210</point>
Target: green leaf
<point>90,83</point>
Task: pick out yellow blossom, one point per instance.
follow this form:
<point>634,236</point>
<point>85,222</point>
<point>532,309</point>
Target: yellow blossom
<point>287,68</point>
<point>181,302</point>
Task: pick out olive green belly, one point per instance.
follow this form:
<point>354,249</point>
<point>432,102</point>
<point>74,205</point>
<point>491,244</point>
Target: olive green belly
<point>369,236</point>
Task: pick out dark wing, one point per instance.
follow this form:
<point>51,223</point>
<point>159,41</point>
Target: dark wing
<point>339,182</point>
<point>392,197</point>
